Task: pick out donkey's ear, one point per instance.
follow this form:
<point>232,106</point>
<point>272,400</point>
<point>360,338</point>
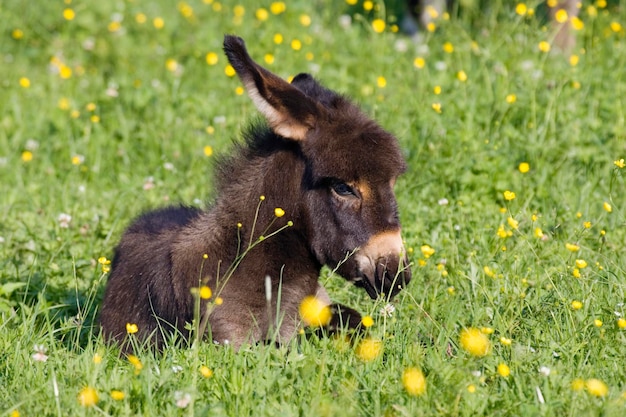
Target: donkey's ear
<point>289,111</point>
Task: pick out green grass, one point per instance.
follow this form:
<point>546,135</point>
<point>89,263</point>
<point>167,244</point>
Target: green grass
<point>567,122</point>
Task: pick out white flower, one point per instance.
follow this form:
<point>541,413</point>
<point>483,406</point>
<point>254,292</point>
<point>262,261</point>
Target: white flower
<point>177,368</point>
<point>168,166</point>
<point>544,370</point>
<point>148,183</point>
<point>443,201</point>
<point>182,399</point>
<point>64,220</point>
<point>40,353</point>
<point>387,310</point>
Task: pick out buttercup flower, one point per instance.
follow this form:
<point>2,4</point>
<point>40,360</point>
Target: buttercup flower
<point>414,381</point>
<point>474,342</point>
<point>504,370</point>
<point>596,387</point>
<point>369,349</point>
<point>131,328</point>
<point>367,321</point>
<point>314,312</point>
<point>88,397</point>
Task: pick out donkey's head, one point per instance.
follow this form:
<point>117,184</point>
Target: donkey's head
<point>350,167</point>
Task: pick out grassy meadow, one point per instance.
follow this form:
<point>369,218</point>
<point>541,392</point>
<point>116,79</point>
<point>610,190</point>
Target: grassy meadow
<point>513,207</point>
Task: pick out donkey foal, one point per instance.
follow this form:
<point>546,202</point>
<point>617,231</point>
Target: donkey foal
<point>328,167</point>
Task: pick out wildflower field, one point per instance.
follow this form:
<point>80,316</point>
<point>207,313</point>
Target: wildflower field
<point>513,207</point>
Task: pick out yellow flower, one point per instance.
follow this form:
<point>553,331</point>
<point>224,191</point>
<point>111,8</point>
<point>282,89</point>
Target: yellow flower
<point>461,76</point>
<point>171,64</point>
<point>207,150</point>
<point>511,98</point>
<point>131,328</point>
<point>524,167</point>
<point>576,305</point>
<point>158,22</point>
<point>572,247</point>
<point>448,47</point>
<point>509,195</point>
<point>437,90</point>
<point>427,251</point>
<point>378,25</point>
<point>367,321</point>
<point>503,233</point>
<point>573,60</point>
<point>620,163</point>
<point>97,358</point>
<point>514,224</point>
<point>229,71</point>
<point>278,212</point>
<point>261,14</point>
<point>587,225</point>
<point>488,271</point>
<point>69,14</point>
<point>506,341</point>
<point>205,292</point>
<point>521,9</point>
<point>14,413</point>
<point>134,360</point>
<point>414,381</point>
<point>27,156</point>
<point>141,18</point>
<point>597,323</point>
<point>487,330</point>
<point>616,27</point>
<point>206,371</point>
<point>544,46</point>
<point>577,24</point>
<point>314,312</point>
<point>504,370</point>
<point>581,263</point>
<point>381,82</point>
<point>538,233</point>
<point>212,58</point>
<point>576,273</point>
<point>117,395</point>
<point>561,16</point>
<point>596,387</point>
<point>305,20</point>
<point>578,384</point>
<point>369,349</point>
<point>621,323</point>
<point>296,45</point>
<point>475,342</point>
<point>419,62</point>
<point>278,7</point>
<point>17,34</point>
<point>24,82</point>
<point>471,388</point>
<point>88,397</point>
<point>219,301</point>
<point>607,207</point>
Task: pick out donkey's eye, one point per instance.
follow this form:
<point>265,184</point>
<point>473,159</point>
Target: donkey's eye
<point>344,190</point>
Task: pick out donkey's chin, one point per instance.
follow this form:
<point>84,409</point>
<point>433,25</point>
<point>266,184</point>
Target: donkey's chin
<point>383,283</point>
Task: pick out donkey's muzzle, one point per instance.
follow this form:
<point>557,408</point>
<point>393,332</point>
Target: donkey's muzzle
<point>391,275</point>
<point>383,265</point>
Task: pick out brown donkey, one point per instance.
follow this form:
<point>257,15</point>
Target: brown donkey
<point>329,168</point>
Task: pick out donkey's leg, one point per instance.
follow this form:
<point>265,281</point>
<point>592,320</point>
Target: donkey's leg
<point>343,317</point>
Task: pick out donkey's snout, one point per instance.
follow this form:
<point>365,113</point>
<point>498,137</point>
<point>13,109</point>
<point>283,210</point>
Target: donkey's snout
<point>391,275</point>
<point>384,268</point>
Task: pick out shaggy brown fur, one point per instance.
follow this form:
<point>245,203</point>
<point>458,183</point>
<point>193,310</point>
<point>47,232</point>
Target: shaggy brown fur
<point>328,166</point>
